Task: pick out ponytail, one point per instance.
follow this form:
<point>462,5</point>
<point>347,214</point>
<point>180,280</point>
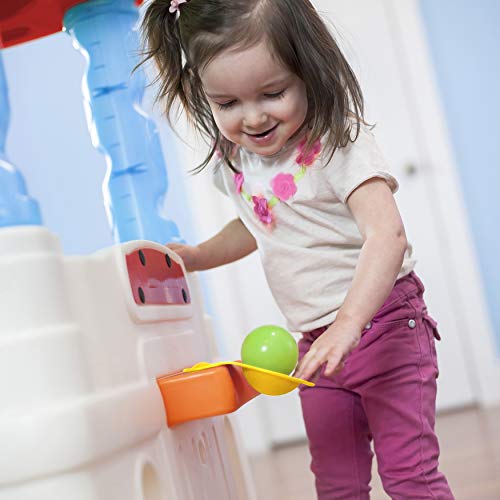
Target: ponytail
<point>177,81</point>
<point>163,46</point>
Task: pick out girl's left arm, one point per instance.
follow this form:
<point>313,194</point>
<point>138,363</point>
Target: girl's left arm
<point>377,216</point>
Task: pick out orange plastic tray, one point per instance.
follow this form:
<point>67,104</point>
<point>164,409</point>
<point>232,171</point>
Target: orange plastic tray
<point>206,393</point>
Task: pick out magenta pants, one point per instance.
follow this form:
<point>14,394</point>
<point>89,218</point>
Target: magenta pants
<point>386,392</point>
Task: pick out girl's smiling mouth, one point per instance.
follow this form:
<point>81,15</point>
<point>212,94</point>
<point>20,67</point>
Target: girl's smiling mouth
<point>263,137</point>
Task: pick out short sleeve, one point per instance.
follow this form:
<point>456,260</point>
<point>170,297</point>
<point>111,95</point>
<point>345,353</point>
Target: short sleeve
<point>356,163</point>
<point>220,168</point>
<point>218,178</point>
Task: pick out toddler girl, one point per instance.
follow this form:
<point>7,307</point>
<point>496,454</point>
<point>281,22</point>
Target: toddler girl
<point>266,83</point>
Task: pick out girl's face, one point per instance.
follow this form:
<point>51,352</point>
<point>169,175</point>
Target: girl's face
<point>256,102</point>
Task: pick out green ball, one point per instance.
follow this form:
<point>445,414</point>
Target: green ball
<point>270,347</point>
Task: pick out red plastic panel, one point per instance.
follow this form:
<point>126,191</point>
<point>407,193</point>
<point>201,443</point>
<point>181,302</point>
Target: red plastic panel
<point>156,279</point>
<point>24,20</point>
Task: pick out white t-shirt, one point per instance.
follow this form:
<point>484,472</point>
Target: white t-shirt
<point>310,249</point>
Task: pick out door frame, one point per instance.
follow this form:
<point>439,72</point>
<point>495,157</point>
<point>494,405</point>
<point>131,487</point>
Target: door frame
<point>432,133</point>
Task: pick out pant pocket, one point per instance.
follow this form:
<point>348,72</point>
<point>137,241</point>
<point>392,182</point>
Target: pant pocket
<point>432,323</point>
<point>432,335</point>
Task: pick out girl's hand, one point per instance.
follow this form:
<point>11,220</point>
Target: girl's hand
<point>190,255</point>
<point>331,348</point>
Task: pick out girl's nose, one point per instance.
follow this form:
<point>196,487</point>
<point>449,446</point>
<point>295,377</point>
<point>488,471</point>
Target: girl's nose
<point>254,118</point>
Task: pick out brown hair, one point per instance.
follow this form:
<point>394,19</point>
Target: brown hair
<point>298,37</point>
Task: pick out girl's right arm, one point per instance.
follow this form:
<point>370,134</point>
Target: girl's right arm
<point>233,242</point>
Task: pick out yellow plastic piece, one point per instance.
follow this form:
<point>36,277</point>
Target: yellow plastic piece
<point>262,380</point>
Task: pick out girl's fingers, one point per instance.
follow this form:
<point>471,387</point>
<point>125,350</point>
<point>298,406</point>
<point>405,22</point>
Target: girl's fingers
<point>311,369</point>
<point>331,354</point>
<point>334,364</point>
<point>316,375</point>
<point>301,370</point>
<point>310,363</point>
<point>174,246</point>
<point>178,248</point>
<point>298,371</point>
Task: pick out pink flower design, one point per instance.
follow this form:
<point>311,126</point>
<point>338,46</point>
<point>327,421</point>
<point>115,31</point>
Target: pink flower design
<point>261,208</point>
<point>283,186</point>
<point>238,181</point>
<point>307,158</point>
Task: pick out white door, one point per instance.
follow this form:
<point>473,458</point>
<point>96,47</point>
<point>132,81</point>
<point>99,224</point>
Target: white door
<point>371,38</point>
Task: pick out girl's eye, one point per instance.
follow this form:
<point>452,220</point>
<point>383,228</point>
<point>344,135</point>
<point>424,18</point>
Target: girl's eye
<point>225,105</point>
<point>276,95</point>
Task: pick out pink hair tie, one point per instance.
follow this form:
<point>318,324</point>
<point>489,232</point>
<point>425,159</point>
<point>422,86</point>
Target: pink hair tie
<point>174,7</point>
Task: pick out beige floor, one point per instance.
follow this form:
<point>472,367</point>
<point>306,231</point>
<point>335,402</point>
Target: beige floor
<point>470,458</point>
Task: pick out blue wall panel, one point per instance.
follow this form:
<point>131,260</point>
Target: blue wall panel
<point>464,39</point>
